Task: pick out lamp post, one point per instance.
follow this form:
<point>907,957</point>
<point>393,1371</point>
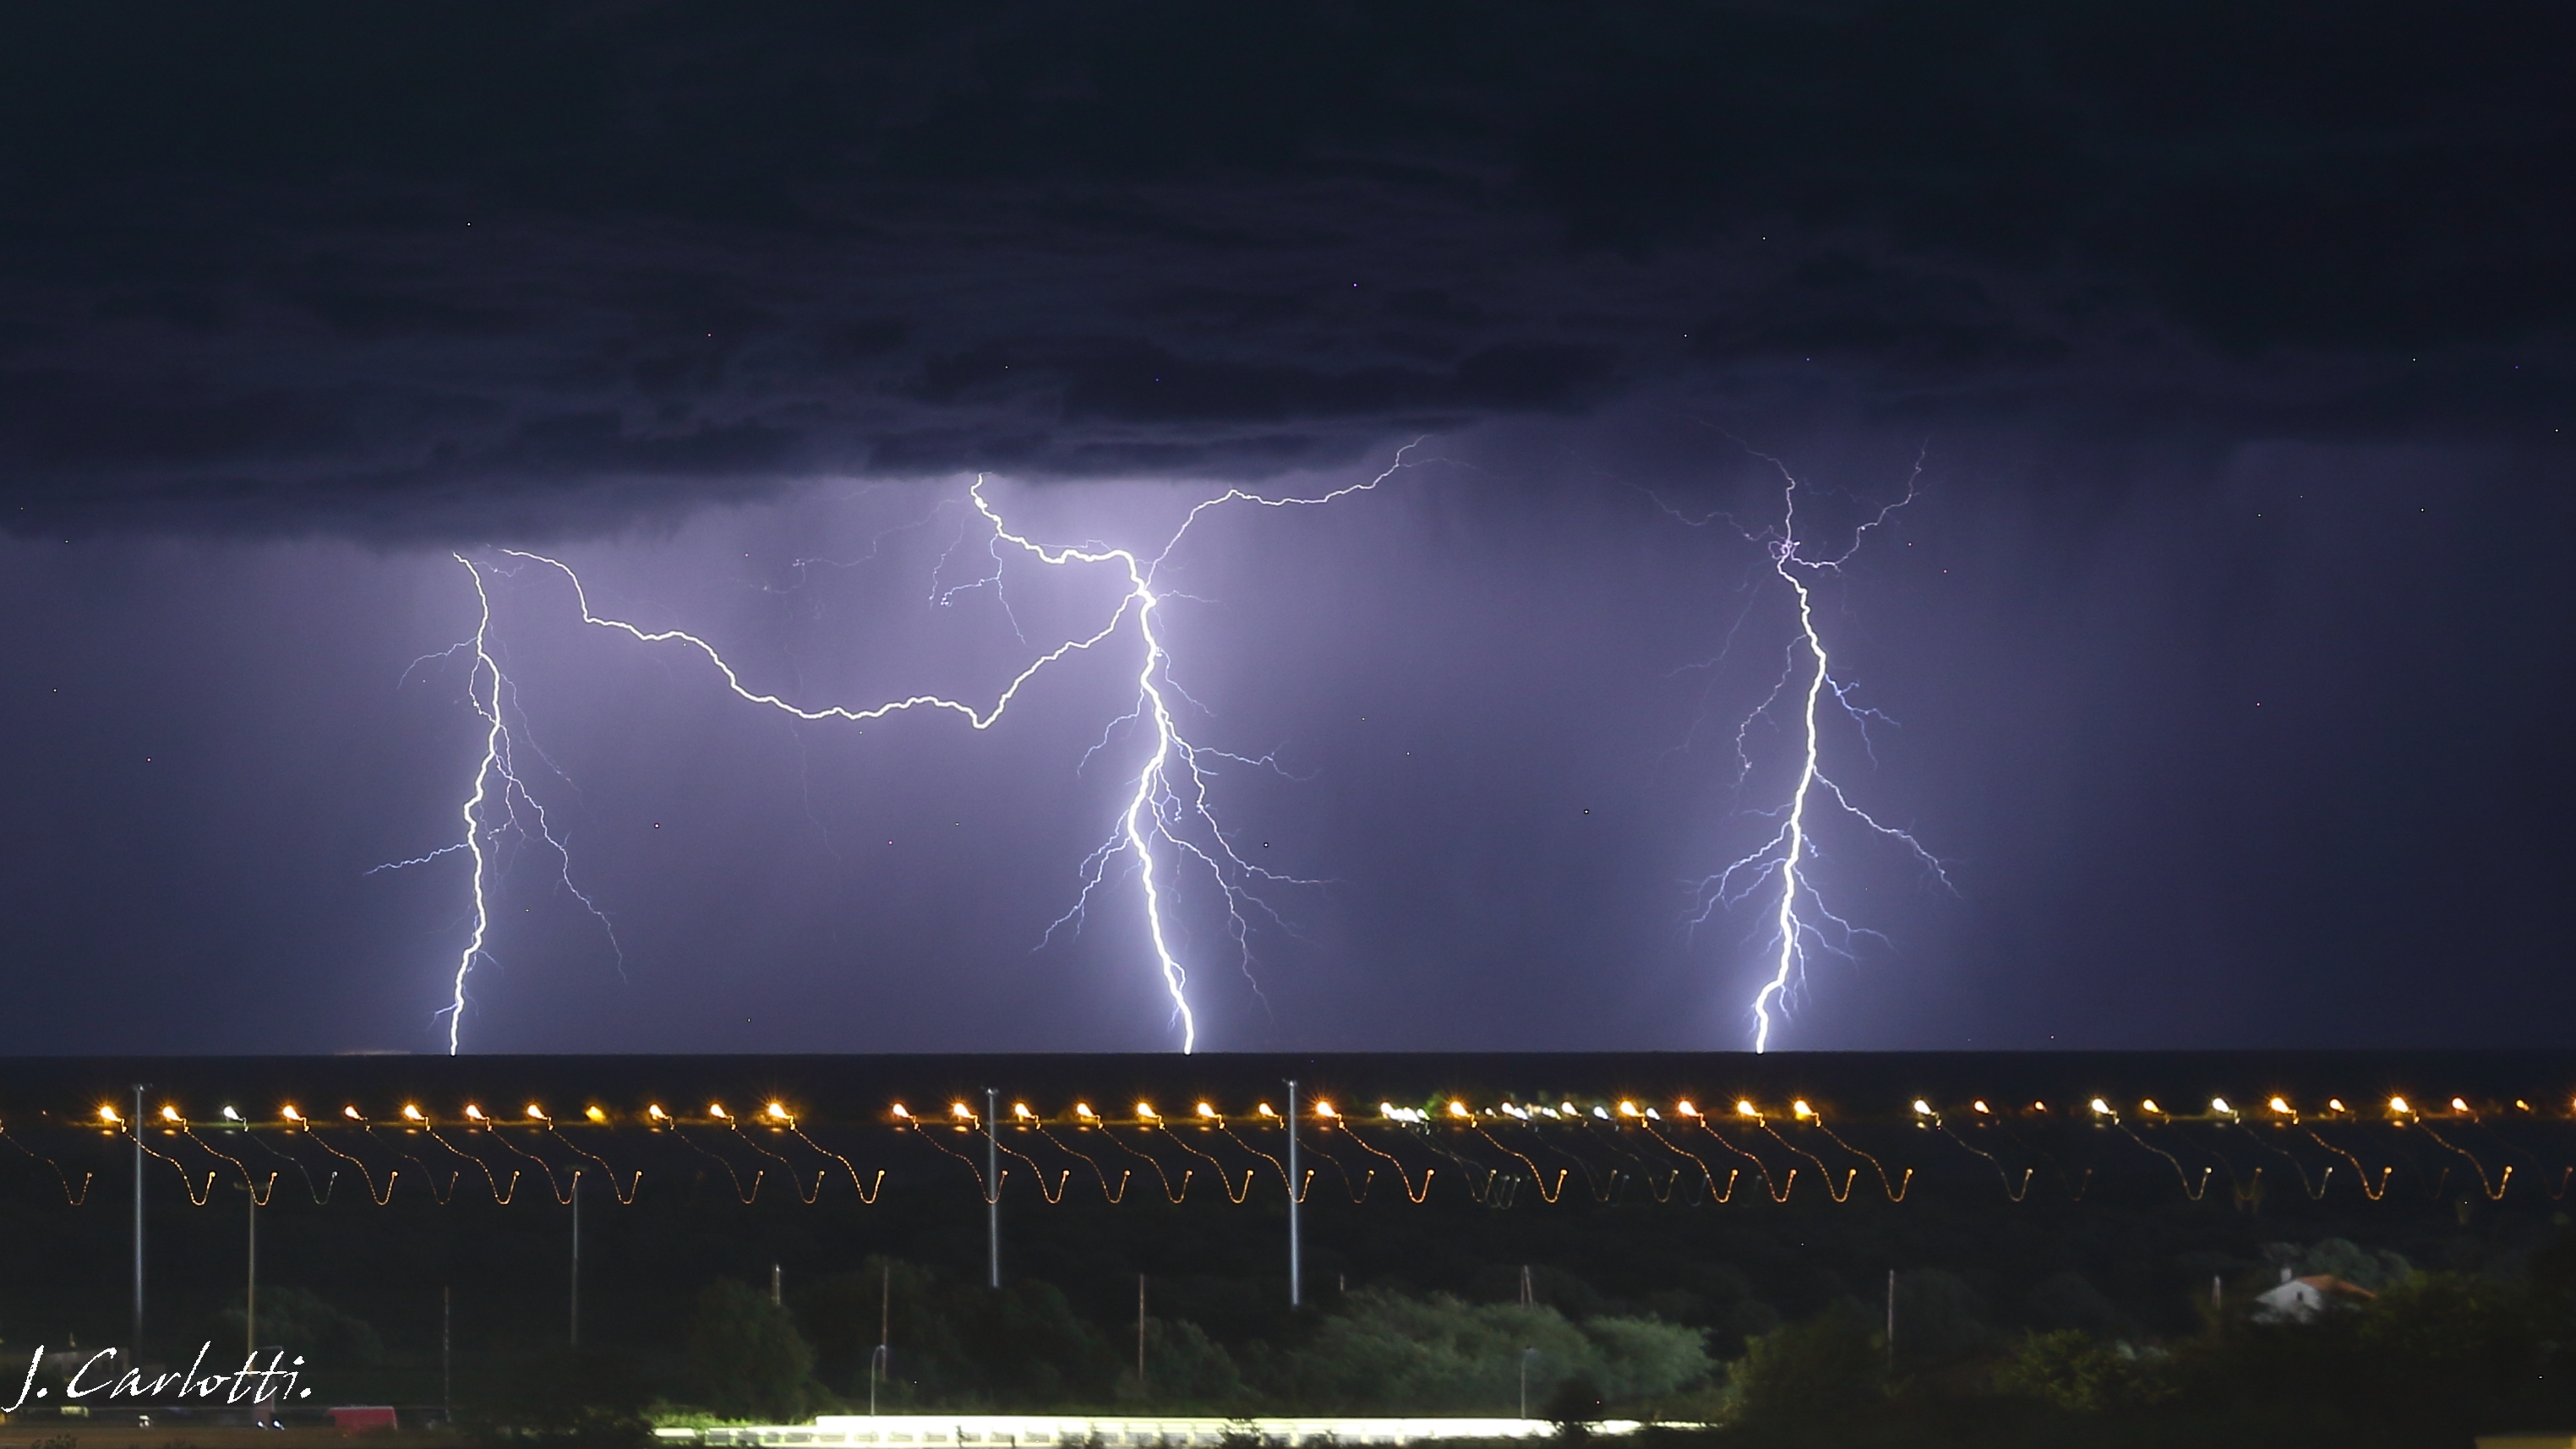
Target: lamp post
<point>134,1126</point>
<point>1296,1247</point>
<point>881,1362</point>
<point>250,1287</point>
<point>574,1338</point>
<point>992,1191</point>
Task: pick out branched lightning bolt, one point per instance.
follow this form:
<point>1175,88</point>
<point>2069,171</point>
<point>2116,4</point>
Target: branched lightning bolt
<point>491,809</point>
<point>1800,918</point>
<point>1166,811</point>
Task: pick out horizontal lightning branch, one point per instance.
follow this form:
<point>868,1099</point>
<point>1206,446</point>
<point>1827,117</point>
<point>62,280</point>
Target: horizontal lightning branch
<point>1166,819</point>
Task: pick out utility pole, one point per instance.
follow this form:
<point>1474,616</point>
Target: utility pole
<point>1140,1329</point>
<point>881,1362</point>
<point>446,1354</point>
<point>135,1126</point>
<point>250,1289</point>
<point>575,1337</point>
<point>1891,1320</point>
<point>776,1298</point>
<point>992,1189</point>
<point>1296,1247</point>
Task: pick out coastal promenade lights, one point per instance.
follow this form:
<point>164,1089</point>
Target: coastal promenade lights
<point>411,1113</point>
<point>1800,1110</point>
<point>1922,1108</point>
<point>1020,1112</point>
<point>1083,1111</point>
<point>171,1115</point>
<point>777,1112</point>
<point>1980,1108</point>
<point>598,1114</point>
<point>716,1111</point>
<point>2398,1106</point>
<point>1459,1109</point>
<point>1325,1110</point>
<point>290,1114</point>
<point>352,1114</point>
<point>538,1114</point>
<point>902,1113</point>
<point>1145,1112</point>
<point>474,1113</point>
<point>231,1116</point>
<point>108,1116</point>
<point>1264,1110</point>
<point>1207,1112</point>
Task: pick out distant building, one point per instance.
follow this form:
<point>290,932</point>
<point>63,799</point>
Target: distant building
<point>2303,1300</point>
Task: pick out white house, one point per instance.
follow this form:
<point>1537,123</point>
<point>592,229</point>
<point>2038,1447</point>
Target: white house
<point>2301,1300</point>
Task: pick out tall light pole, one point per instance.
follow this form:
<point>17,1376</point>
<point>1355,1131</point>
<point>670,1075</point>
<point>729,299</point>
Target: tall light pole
<point>881,1362</point>
<point>135,1126</point>
<point>992,1188</point>
<point>1296,1246</point>
<point>575,1337</point>
<point>1891,1320</point>
<point>250,1287</point>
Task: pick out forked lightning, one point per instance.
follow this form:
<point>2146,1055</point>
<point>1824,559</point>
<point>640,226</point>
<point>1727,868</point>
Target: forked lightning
<point>1166,809</point>
<point>1800,918</point>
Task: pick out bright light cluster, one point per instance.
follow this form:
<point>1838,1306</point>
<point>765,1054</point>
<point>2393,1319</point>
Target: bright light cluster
<point>776,1112</point>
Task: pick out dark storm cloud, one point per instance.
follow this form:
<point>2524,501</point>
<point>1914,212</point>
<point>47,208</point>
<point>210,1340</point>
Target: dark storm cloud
<point>500,270</point>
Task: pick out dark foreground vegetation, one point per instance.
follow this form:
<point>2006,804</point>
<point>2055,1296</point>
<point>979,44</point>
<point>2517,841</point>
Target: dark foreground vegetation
<point>2128,1317</point>
<point>2429,1359</point>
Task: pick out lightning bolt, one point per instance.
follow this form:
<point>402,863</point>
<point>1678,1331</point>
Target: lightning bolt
<point>491,809</point>
<point>1167,819</point>
<point>1800,918</point>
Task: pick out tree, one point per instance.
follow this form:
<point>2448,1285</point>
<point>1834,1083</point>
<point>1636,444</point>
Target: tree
<point>564,1398</point>
<point>1826,1369</point>
<point>1185,1366</point>
<point>301,1323</point>
<point>2071,1370</point>
<point>956,1345</point>
<point>1437,1354</point>
<point>748,1358</point>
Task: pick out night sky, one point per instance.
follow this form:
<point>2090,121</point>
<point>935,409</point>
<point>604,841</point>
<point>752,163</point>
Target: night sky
<point>2221,654</point>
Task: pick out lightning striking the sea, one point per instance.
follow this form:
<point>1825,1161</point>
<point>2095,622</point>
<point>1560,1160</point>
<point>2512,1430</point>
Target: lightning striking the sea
<point>1800,918</point>
<point>1165,822</point>
<point>497,788</point>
